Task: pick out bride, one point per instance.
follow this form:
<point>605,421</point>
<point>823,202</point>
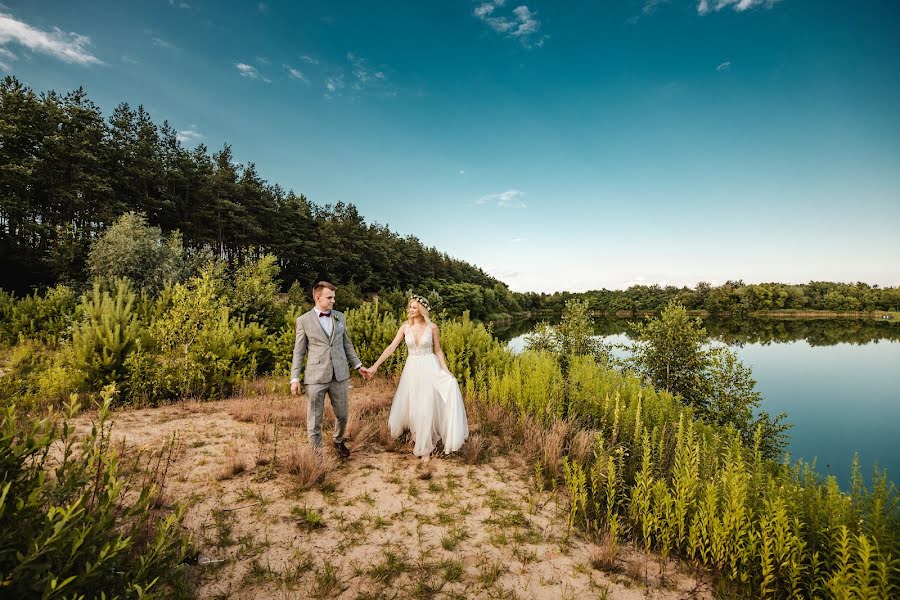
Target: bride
<point>428,402</point>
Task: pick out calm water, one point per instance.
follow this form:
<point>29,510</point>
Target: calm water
<point>838,381</point>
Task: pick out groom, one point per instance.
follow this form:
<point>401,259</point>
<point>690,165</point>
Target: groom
<point>322,332</point>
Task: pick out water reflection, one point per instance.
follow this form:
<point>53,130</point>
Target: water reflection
<point>736,331</point>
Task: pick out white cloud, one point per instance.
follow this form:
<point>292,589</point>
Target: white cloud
<point>294,73</point>
<point>462,171</point>
<point>707,6</point>
<point>67,47</point>
<point>263,60</point>
<point>521,24</point>
<point>650,6</point>
<point>333,85</point>
<point>724,66</point>
<point>263,8</point>
<point>309,60</point>
<point>189,136</point>
<point>250,72</point>
<point>161,43</point>
<point>128,60</point>
<point>518,240</point>
<point>507,199</point>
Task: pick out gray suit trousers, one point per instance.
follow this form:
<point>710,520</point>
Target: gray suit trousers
<point>315,405</point>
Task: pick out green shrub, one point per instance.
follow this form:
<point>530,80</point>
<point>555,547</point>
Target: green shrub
<point>254,296</point>
<point>371,330</point>
<point>80,524</point>
<point>47,318</point>
<point>196,350</point>
<point>106,335</point>
<point>132,249</point>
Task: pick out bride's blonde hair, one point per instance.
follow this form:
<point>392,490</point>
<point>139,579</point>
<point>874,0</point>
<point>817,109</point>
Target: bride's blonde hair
<point>423,309</point>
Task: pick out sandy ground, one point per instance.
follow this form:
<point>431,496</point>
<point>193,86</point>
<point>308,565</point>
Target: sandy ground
<point>379,525</point>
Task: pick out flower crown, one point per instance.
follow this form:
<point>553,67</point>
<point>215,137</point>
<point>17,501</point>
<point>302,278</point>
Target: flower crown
<point>421,300</point>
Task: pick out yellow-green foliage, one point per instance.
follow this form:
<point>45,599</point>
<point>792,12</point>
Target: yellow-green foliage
<point>533,384</point>
<point>46,318</point>
<point>372,330</point>
<point>678,485</point>
<point>106,335</point>
<point>471,351</point>
<point>74,522</point>
<point>197,349</point>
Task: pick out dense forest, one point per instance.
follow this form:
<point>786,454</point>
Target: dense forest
<point>737,297</point>
<point>67,174</point>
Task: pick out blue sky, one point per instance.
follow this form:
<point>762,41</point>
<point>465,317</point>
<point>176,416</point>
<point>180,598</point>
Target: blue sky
<point>559,145</point>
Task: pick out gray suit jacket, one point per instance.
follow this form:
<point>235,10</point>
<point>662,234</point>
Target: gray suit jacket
<point>329,357</point>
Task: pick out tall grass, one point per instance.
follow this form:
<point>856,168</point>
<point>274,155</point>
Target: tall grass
<point>679,486</point>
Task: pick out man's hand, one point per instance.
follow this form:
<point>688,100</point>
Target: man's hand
<point>295,388</point>
<point>365,373</point>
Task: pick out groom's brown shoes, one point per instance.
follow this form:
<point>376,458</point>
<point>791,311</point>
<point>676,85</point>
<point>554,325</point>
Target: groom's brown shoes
<point>342,449</point>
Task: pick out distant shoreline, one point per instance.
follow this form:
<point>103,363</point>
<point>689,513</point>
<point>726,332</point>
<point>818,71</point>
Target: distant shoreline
<point>879,315</point>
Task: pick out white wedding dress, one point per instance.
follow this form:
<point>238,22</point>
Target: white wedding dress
<point>428,402</point>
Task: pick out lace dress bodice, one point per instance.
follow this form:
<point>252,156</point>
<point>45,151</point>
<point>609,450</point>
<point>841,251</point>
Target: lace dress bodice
<point>425,345</point>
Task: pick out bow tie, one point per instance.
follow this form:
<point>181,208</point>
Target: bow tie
<point>325,314</point>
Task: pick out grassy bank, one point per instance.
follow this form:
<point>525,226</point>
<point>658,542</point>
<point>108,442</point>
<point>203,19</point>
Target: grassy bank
<point>634,463</point>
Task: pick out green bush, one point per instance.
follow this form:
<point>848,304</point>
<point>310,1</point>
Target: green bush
<point>254,296</point>
<point>196,350</point>
<point>132,249</point>
<point>109,331</point>
<point>371,330</point>
<point>47,318</point>
<point>80,524</point>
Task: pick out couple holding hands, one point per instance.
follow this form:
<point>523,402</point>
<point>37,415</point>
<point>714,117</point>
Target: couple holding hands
<point>427,403</point>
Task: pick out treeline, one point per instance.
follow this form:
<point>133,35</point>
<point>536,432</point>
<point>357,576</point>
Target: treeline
<point>67,174</point>
<point>737,297</point>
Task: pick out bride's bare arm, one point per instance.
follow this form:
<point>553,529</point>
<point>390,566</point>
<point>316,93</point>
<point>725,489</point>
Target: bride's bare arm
<point>389,350</point>
<point>436,336</point>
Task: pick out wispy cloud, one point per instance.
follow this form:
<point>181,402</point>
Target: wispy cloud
<point>129,60</point>
<point>650,6</point>
<point>189,136</point>
<point>334,84</point>
<point>161,43</point>
<point>507,199</point>
<point>263,8</point>
<point>250,72</point>
<point>67,47</point>
<point>724,66</point>
<point>263,60</point>
<point>707,6</point>
<point>294,73</point>
<point>521,23</point>
<point>184,5</point>
<point>309,60</point>
<point>518,240</point>
<point>362,73</point>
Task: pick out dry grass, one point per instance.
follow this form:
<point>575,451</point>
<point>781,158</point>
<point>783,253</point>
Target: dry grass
<point>473,449</point>
<point>554,440</point>
<point>308,466</point>
<point>235,462</point>
<point>605,556</point>
<point>581,448</point>
<point>270,409</point>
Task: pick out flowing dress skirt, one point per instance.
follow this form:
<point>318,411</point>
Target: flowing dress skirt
<point>429,404</point>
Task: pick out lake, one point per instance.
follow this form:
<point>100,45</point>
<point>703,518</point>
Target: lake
<point>837,379</point>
